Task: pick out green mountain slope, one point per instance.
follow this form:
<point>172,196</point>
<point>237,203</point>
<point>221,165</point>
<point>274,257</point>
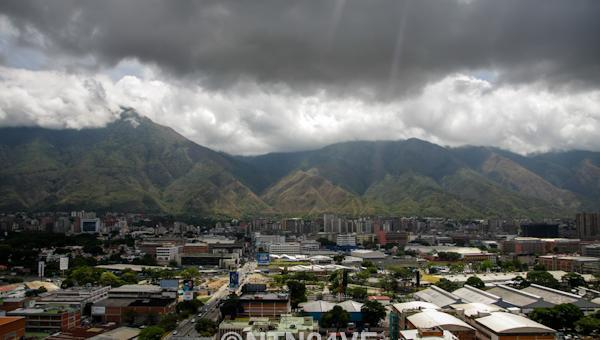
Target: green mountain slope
<point>133,164</point>
<point>306,192</point>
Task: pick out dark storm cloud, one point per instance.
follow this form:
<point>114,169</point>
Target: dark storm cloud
<point>376,46</point>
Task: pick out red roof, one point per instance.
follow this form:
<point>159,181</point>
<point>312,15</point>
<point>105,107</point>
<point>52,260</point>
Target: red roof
<point>379,297</point>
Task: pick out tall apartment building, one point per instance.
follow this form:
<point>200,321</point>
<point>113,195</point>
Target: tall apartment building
<point>588,226</point>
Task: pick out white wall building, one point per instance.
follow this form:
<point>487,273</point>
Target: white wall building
<point>285,248</point>
<point>346,240</point>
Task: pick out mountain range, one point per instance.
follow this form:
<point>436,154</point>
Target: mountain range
<point>136,165</point>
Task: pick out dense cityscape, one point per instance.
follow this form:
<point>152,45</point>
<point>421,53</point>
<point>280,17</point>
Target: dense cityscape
<point>299,170</point>
<point>79,275</point>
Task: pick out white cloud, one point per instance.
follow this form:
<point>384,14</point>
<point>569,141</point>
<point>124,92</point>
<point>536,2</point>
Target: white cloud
<point>250,119</point>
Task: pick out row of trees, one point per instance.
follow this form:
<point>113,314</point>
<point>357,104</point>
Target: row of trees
<point>567,317</point>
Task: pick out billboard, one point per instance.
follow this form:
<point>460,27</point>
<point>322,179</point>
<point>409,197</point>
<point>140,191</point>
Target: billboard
<point>64,263</point>
<point>188,295</point>
<point>263,259</point>
<point>234,280</point>
<point>188,286</point>
<point>169,284</point>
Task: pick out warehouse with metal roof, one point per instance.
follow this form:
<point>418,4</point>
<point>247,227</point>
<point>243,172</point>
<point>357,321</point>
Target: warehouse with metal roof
<point>437,296</point>
<point>558,297</point>
<point>499,324</point>
<point>518,298</point>
<point>430,318</point>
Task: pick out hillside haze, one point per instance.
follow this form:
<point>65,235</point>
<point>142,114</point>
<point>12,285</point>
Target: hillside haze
<point>134,164</point>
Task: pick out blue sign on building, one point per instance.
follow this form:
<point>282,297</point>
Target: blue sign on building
<point>263,259</point>
<point>234,280</point>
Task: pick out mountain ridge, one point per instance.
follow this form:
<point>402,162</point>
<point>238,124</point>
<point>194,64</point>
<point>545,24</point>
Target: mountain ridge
<point>134,164</point>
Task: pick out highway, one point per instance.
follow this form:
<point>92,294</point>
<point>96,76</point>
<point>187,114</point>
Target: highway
<point>186,330</point>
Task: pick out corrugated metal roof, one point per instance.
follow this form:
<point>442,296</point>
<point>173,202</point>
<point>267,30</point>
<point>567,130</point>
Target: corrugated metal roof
<point>508,323</point>
<point>472,294</point>
<point>412,305</point>
<point>559,297</point>
<point>317,306</point>
<point>430,318</point>
<point>351,306</point>
<point>437,296</point>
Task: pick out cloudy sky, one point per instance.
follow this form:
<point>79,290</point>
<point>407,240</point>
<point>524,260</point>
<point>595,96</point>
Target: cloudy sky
<point>250,77</point>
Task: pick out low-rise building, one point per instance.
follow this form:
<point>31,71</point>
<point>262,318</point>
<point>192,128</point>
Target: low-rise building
<point>221,260</point>
<point>345,240</point>
<point>126,310</point>
<point>76,297</point>
<point>520,299</point>
<point>12,327</point>
<point>509,326</point>
<point>49,318</point>
<point>430,318</point>
<point>524,246</point>
<point>435,333</point>
<point>577,264</point>
<point>194,248</point>
<point>558,297</point>
<point>265,304</point>
<point>437,296</point>
<point>166,254</point>
<point>290,248</point>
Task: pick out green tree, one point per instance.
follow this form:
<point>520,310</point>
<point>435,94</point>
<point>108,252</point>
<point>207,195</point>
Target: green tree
<point>151,333</point>
<point>185,308</point>
<point>402,273</point>
<point>373,312</point>
<point>297,292</point>
<point>543,278</point>
<point>84,275</point>
<point>389,283</point>
<point>67,283</point>
<point>338,281</point>
<point>520,282</point>
<point>573,280</point>
<point>476,282</point>
<point>110,279</point>
<point>358,293</point>
<point>560,316</point>
<point>339,258</point>
<point>335,318</point>
<point>190,273</point>
<point>485,265</point>
<point>206,327</point>
<point>447,285</point>
<point>588,325</point>
<point>129,277</point>
<point>168,322</point>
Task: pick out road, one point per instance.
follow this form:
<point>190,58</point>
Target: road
<point>186,330</point>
